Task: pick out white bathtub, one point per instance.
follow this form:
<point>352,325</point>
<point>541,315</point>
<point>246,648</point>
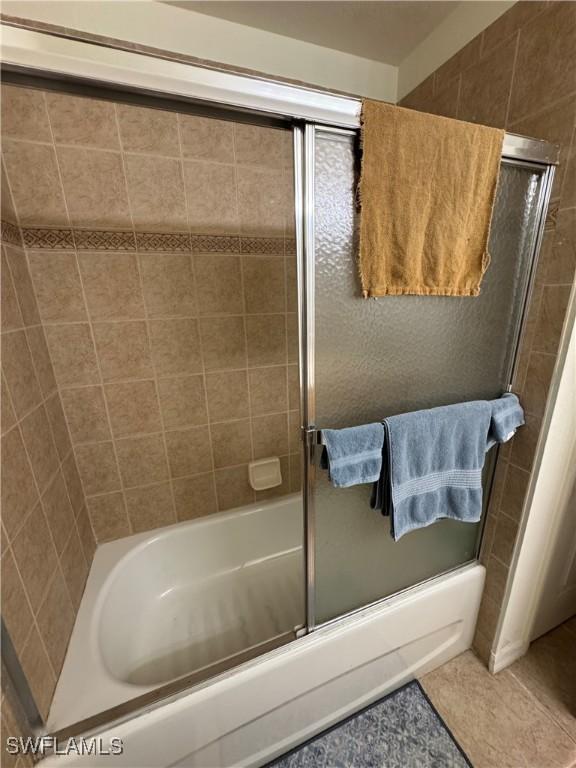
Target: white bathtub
<point>166,603</point>
<point>263,707</point>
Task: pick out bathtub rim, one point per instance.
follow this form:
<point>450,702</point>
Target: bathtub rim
<point>136,542</point>
<point>158,697</point>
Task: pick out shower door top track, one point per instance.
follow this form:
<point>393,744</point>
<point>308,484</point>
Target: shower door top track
<point>99,62</point>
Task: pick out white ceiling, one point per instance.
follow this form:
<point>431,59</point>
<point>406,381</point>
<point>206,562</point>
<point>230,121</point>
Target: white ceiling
<point>384,31</point>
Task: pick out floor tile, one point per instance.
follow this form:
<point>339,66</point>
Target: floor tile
<point>548,671</point>
<point>498,723</point>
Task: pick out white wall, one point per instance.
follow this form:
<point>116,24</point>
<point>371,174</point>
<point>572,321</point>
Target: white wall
<point>175,29</point>
<point>547,522</point>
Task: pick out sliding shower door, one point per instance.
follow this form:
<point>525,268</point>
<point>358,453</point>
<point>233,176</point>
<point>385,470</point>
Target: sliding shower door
<point>370,359</point>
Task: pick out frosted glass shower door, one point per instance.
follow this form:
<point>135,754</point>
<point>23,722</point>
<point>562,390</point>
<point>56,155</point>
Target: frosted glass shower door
<point>379,357</point>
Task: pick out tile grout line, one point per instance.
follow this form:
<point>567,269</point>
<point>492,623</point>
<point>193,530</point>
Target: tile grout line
<point>162,432</point>
<point>56,392</point>
<point>72,455</point>
<point>11,539</point>
<point>244,313</point>
<point>459,93</point>
<point>169,430</point>
<point>22,327</point>
<point>42,327</point>
<point>149,342</point>
<point>25,328</point>
<point>61,181</point>
<point>11,138</point>
<point>35,625</point>
<point>538,704</point>
<point>512,77</point>
<point>41,401</point>
<point>501,562</point>
<point>211,316</point>
<point>510,35</point>
<point>24,519</point>
<point>98,367</point>
<point>542,110</point>
<point>177,376</point>
<point>132,320</point>
<point>179,477</point>
<point>192,262</point>
<point>516,466</point>
<point>39,505</point>
<point>571,150</point>
<point>10,192</point>
<point>19,420</point>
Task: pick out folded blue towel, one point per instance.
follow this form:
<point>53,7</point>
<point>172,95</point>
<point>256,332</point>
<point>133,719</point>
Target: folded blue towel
<point>353,455</point>
<point>507,416</point>
<point>434,461</point>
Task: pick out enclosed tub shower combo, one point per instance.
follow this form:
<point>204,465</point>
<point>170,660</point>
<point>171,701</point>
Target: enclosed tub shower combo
<point>187,240</point>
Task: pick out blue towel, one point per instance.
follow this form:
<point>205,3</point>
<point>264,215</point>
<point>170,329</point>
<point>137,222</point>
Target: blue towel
<point>507,416</point>
<point>434,460</point>
<point>353,455</point>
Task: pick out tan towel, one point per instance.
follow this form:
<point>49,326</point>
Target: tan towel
<point>426,194</point>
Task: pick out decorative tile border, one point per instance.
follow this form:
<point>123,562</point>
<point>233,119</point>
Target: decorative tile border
<point>215,243</point>
<point>46,238</point>
<point>10,233</point>
<point>262,245</point>
<point>104,240</point>
<point>162,241</point>
<point>290,246</point>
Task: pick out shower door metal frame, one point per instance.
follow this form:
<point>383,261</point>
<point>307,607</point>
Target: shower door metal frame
<point>516,151</point>
<point>156,73</point>
<point>85,66</point>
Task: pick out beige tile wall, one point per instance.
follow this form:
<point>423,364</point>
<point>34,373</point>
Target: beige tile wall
<point>520,74</point>
<point>47,539</point>
<point>175,355</point>
<point>13,723</point>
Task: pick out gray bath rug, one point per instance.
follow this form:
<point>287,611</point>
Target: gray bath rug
<point>402,730</point>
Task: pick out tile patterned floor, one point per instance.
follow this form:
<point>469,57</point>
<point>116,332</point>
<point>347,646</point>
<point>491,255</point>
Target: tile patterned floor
<point>523,717</point>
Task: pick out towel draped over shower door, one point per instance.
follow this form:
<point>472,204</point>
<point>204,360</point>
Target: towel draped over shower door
<point>427,190</point>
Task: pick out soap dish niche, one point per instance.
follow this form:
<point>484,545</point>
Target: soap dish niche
<point>265,473</point>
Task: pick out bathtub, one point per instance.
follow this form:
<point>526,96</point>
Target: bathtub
<point>183,600</point>
<point>261,708</point>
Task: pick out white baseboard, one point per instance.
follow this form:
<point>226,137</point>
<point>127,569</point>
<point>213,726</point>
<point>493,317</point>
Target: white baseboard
<point>502,658</point>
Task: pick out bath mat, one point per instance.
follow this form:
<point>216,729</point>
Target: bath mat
<point>402,730</point>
